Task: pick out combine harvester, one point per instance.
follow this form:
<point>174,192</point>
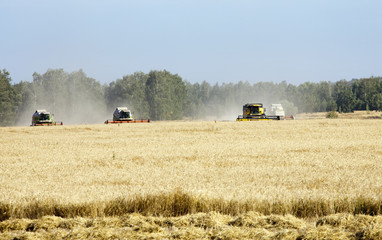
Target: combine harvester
<point>256,112</point>
<point>278,110</point>
<point>123,115</point>
<point>43,118</point>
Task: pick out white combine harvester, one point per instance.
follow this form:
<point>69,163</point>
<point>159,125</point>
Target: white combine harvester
<point>278,110</point>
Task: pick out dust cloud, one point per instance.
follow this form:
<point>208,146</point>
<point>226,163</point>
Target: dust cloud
<point>232,109</point>
<point>82,111</point>
<point>79,107</point>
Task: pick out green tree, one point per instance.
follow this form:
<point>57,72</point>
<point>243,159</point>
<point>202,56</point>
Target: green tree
<point>9,100</point>
<point>366,91</point>
<point>165,94</point>
<point>193,104</point>
<point>377,102</point>
<point>308,100</point>
<point>325,95</point>
<point>27,103</point>
<point>345,98</point>
<point>130,91</point>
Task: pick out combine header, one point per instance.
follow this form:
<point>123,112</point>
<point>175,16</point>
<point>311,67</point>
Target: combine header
<point>256,112</point>
<point>123,115</point>
<point>43,118</point>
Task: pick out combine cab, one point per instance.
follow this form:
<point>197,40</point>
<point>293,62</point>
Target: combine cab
<point>43,118</point>
<point>256,112</point>
<point>123,115</point>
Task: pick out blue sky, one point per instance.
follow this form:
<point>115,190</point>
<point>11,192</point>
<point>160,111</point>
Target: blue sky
<point>216,41</point>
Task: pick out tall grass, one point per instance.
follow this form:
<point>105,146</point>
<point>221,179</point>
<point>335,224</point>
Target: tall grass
<point>180,203</point>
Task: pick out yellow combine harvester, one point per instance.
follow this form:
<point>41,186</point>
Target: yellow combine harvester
<point>256,112</point>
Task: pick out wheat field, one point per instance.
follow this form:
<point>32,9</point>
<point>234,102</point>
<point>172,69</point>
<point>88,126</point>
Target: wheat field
<point>308,169</point>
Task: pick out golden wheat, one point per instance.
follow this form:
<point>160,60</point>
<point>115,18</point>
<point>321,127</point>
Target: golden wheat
<point>325,165</point>
<point>222,180</point>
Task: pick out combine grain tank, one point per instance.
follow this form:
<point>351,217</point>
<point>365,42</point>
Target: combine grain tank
<point>124,115</point>
<point>43,118</point>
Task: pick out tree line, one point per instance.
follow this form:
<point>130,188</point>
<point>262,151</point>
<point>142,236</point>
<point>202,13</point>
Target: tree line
<point>160,95</point>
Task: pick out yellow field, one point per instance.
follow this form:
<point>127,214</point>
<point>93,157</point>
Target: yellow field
<point>273,160</point>
<point>307,168</point>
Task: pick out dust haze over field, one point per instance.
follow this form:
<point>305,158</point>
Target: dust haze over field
<point>73,98</point>
<point>82,108</point>
<point>231,110</point>
<point>84,111</point>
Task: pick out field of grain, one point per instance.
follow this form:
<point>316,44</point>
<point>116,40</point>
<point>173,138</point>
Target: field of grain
<point>308,169</point>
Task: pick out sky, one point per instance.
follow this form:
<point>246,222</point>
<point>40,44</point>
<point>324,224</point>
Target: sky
<point>218,41</point>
